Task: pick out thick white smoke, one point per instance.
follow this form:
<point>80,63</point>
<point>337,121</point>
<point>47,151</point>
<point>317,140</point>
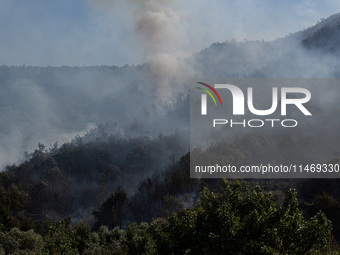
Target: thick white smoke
<point>160,31</point>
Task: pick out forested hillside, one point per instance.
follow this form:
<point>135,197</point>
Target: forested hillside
<point>96,160</point>
<point>114,180</point>
<point>77,177</point>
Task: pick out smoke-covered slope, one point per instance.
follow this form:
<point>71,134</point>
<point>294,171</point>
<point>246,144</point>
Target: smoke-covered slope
<point>48,104</point>
<point>310,53</point>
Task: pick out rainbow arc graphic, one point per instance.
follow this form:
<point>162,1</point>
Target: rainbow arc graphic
<point>208,92</point>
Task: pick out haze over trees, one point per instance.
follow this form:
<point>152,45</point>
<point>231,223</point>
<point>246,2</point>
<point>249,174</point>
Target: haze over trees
<point>111,170</point>
<point>56,103</point>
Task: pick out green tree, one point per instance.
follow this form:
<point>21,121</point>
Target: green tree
<point>12,203</point>
<point>139,240</point>
<point>83,235</point>
<point>16,241</point>
<point>241,221</point>
<point>112,210</point>
<point>330,206</point>
<point>59,237</point>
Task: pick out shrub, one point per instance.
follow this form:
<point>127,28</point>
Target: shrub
<point>16,241</point>
<point>241,221</point>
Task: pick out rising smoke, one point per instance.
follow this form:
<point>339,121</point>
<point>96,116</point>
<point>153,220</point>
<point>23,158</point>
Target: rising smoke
<point>160,30</point>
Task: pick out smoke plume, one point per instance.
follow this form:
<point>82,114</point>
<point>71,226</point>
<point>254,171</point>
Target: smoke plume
<point>159,30</point>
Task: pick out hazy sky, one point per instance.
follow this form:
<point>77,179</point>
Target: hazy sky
<point>105,32</point>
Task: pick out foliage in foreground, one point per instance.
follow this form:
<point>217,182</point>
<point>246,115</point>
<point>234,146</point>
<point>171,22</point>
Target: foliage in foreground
<point>234,221</point>
<point>240,221</point>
